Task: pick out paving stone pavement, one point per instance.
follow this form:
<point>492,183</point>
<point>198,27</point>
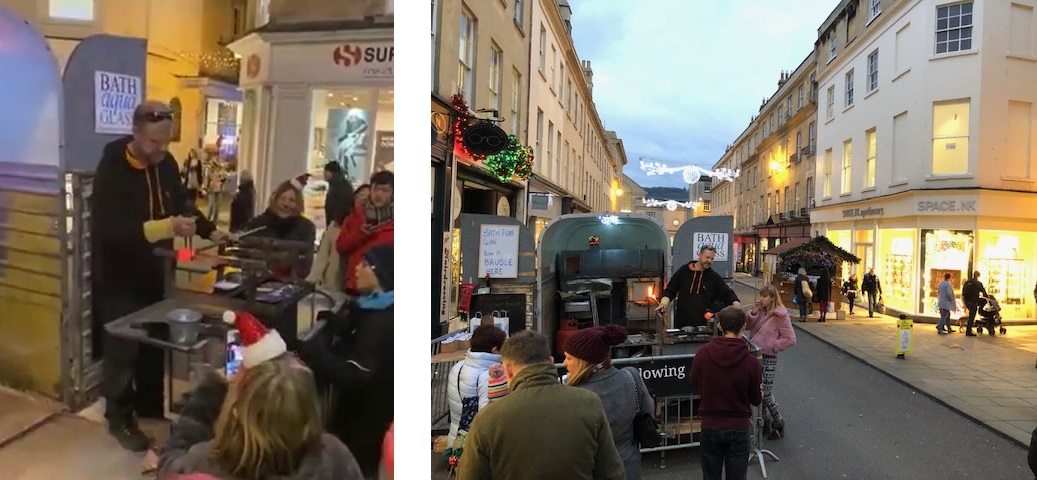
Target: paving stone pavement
<point>991,379</point>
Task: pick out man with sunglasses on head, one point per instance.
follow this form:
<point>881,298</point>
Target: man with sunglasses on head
<point>138,203</point>
<point>697,288</point>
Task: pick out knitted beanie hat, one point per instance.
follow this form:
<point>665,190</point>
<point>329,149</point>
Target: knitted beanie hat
<point>380,257</point>
<point>594,344</point>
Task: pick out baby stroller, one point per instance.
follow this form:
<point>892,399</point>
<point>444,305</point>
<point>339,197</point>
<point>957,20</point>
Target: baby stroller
<point>988,316</point>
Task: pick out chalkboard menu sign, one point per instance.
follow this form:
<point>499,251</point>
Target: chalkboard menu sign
<point>512,306</point>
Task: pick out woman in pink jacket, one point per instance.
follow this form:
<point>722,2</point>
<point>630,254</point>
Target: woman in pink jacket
<point>770,327</point>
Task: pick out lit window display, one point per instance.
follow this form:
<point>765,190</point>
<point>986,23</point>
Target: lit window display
<point>354,128</point>
<point>944,251</point>
<point>841,239</point>
<point>222,126</point>
<point>896,272</point>
<point>865,250</point>
<point>1005,273</point>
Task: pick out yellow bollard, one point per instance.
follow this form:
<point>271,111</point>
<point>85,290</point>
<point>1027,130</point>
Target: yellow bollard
<point>905,339</point>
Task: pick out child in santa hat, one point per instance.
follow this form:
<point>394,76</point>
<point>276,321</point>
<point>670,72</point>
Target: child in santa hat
<point>265,423</point>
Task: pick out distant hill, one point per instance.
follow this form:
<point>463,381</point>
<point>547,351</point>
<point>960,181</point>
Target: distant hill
<point>667,193</point>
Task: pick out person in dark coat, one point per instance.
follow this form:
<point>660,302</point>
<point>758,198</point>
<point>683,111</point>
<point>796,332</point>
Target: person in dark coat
<point>354,352</point>
<point>243,207</point>
<point>824,293</point>
<point>697,289</point>
<point>850,290</point>
<point>339,201</point>
<point>138,203</point>
<point>283,220</point>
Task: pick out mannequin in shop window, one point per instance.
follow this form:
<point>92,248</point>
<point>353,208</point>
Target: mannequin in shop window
<point>351,141</point>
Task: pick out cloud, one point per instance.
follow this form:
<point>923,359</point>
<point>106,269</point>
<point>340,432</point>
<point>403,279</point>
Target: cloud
<point>680,79</point>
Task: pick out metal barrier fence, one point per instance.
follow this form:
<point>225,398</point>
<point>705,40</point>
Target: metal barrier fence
<point>440,371</point>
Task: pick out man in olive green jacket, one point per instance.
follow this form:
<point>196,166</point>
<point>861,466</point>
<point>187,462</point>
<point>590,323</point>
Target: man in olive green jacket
<point>542,429</point>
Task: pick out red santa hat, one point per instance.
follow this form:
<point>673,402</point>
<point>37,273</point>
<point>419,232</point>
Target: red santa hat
<point>261,344</point>
<point>299,181</point>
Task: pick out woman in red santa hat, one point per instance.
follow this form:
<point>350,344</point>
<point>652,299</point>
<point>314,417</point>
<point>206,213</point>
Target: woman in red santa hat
<point>264,424</point>
<point>354,352</point>
<point>283,220</point>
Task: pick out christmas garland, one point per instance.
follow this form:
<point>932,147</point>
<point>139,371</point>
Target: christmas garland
<point>462,120</point>
<point>515,160</point>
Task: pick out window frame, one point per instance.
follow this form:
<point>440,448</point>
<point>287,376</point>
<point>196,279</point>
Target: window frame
<point>848,89</point>
<point>516,100</point>
<point>947,42</point>
<point>874,9</point>
<point>52,17</point>
<point>871,152</point>
<point>466,49</point>
<point>967,102</point>
<point>830,103</point>
<point>543,48</point>
<point>826,175</point>
<point>873,71</point>
<point>846,180</point>
<point>496,75</point>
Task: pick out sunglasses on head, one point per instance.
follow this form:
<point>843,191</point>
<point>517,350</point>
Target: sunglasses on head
<point>154,117</point>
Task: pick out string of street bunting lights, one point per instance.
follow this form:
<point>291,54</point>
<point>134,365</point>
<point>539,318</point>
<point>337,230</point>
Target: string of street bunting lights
<point>691,174</point>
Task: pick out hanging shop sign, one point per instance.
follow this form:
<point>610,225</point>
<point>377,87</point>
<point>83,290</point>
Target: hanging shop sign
<point>484,139</point>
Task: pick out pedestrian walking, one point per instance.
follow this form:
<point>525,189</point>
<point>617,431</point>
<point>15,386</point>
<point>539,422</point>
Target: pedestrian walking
<point>623,393</point>
<point>215,177</point>
<point>871,287</point>
<point>697,289</point>
<point>850,290</point>
<point>542,429</point>
<point>728,378</point>
<point>945,302</point>
<point>192,174</point>
<point>770,327</point>
<point>802,294</point>
<point>824,293</point>
<point>469,380</point>
<point>970,293</point>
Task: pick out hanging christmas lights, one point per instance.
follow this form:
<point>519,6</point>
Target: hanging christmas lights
<point>670,205</point>
<point>462,120</point>
<point>691,173</point>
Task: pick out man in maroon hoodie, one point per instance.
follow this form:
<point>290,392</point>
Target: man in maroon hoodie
<point>729,380</point>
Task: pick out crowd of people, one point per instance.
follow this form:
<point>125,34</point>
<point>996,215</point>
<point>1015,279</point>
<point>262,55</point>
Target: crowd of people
<point>319,407</point>
<point>587,423</point>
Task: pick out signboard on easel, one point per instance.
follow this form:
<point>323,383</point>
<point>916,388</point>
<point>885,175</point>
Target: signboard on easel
<point>498,251</point>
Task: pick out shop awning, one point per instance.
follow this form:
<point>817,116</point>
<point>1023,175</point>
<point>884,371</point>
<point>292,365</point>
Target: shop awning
<point>795,242</point>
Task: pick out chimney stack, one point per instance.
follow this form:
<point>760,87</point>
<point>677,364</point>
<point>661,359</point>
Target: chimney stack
<point>588,73</point>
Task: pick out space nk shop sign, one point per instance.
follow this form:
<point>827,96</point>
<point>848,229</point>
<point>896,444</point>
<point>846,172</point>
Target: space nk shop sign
<point>716,240</point>
<point>498,251</point>
<point>364,61</point>
<point>116,95</point>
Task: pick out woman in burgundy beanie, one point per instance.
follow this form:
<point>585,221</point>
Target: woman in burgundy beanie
<point>588,355</point>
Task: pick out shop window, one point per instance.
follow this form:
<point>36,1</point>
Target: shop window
<point>222,122</point>
<point>896,251</point>
<point>1004,269</point>
<point>943,251</point>
<point>354,128</point>
<point>951,137</point>
<point>79,10</point>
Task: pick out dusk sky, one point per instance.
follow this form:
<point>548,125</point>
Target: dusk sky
<point>678,80</point>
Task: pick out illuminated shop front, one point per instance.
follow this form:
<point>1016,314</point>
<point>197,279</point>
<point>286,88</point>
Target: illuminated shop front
<point>314,97</point>
<point>913,239</point>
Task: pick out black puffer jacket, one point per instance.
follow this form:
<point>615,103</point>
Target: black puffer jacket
<point>353,354</point>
